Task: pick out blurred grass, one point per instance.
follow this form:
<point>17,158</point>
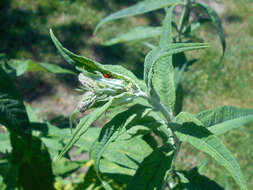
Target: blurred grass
<point>24,35</point>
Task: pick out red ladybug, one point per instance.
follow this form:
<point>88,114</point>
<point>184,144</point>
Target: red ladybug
<point>107,76</point>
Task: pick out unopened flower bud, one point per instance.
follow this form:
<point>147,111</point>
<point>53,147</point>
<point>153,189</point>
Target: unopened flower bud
<point>99,88</point>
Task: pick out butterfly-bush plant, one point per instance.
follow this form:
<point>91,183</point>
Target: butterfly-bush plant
<point>138,146</point>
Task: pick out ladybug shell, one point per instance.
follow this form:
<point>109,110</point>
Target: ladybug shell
<point>107,76</point>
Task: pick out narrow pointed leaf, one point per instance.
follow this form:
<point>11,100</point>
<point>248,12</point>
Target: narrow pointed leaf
<point>83,63</point>
<point>171,49</point>
<point>162,74</point>
<point>23,66</point>
<point>217,22</point>
<point>76,60</point>
<point>159,71</point>
<point>163,81</point>
<point>52,68</point>
<point>138,33</point>
<point>221,120</point>
<point>84,125</point>
<point>166,37</point>
<point>137,9</point>
<point>191,130</point>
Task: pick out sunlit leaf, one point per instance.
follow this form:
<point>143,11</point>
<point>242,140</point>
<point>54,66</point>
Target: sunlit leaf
<point>138,33</point>
<point>84,125</point>
<point>111,130</point>
<point>216,20</point>
<point>23,66</point>
<point>83,63</point>
<point>159,71</point>
<point>191,130</point>
<point>5,145</point>
<point>221,120</point>
<point>139,8</point>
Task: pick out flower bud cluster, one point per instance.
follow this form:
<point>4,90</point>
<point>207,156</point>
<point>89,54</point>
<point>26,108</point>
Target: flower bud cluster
<point>98,88</point>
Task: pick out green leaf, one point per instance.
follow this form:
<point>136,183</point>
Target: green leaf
<point>87,139</point>
<point>125,72</point>
<point>23,66</point>
<point>221,120</point>
<point>152,171</point>
<point>76,60</point>
<point>138,33</point>
<point>185,16</point>
<point>5,145</point>
<point>82,63</point>
<point>166,37</point>
<point>140,8</point>
<point>191,130</point>
<point>216,20</point>
<point>65,166</point>
<point>112,130</point>
<point>159,71</point>
<point>192,179</point>
<point>163,82</point>
<point>162,74</point>
<point>20,66</point>
<point>52,143</point>
<point>154,55</point>
<point>12,110</point>
<point>31,114</point>
<point>10,174</point>
<point>127,152</point>
<point>84,125</point>
<point>122,173</point>
<point>31,158</point>
<point>92,182</point>
<point>53,68</point>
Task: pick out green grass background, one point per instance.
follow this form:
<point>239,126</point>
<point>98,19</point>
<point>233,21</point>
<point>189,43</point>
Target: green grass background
<point>24,33</point>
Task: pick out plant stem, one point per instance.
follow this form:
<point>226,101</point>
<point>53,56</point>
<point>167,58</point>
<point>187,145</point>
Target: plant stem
<point>185,17</point>
<point>168,132</point>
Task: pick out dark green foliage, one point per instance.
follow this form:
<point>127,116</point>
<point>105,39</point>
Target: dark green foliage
<point>12,109</point>
<point>152,171</point>
<point>28,155</point>
<point>138,146</point>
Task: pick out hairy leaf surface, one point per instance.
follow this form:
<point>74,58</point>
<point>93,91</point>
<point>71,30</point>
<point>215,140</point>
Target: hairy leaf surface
<point>159,71</point>
<point>221,120</point>
<point>171,49</point>
<point>192,131</point>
